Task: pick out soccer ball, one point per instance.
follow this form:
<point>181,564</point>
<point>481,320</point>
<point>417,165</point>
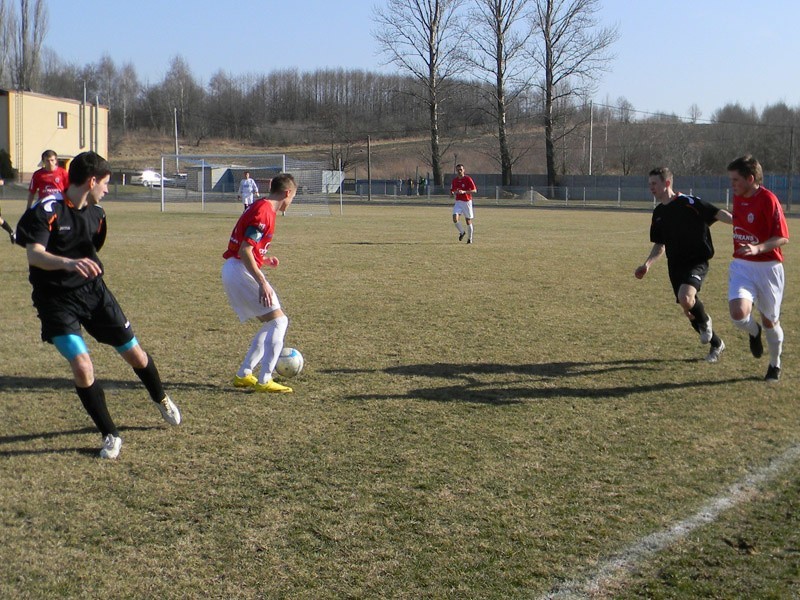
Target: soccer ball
<point>290,363</point>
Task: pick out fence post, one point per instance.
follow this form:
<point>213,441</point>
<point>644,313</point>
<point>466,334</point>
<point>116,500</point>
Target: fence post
<point>619,197</point>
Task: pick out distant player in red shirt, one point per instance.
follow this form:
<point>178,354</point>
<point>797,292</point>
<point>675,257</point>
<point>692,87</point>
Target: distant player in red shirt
<point>249,293</point>
<point>49,181</point>
<point>462,187</point>
<point>756,273</point>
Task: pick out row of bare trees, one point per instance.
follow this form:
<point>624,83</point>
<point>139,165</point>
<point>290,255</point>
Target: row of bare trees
<point>554,49</point>
<point>515,72</point>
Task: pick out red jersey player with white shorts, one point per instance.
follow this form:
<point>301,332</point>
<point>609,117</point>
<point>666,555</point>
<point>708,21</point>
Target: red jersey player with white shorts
<point>462,187</point>
<point>51,181</point>
<point>249,293</point>
<point>756,274</point>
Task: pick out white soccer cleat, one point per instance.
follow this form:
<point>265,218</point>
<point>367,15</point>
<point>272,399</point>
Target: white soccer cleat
<point>111,446</point>
<point>169,411</point>
<point>714,354</point>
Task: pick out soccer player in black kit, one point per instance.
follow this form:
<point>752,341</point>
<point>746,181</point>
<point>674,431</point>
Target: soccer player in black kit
<point>680,226</point>
<point>62,239</point>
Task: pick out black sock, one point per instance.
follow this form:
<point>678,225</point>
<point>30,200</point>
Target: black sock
<point>94,401</point>
<point>151,380</point>
<point>7,227</point>
<point>699,312</point>
<point>716,341</point>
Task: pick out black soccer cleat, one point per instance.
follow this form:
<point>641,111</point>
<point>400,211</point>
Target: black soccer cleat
<point>461,235</point>
<point>756,345</point>
<point>773,374</point>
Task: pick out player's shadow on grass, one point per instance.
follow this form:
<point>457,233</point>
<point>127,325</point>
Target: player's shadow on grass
<point>473,387</point>
<point>49,435</point>
<point>11,382</point>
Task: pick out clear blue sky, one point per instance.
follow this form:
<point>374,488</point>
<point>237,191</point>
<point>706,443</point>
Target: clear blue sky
<point>670,54</point>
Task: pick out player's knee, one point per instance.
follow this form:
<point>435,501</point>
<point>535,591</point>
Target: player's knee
<point>82,370</point>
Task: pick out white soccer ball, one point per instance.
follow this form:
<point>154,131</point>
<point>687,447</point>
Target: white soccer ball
<point>290,363</point>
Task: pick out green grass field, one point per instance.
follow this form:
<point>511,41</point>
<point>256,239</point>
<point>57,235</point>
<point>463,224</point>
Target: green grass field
<point>490,421</point>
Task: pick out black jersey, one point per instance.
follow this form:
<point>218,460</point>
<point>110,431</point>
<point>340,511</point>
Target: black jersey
<point>64,231</point>
<point>682,227</point>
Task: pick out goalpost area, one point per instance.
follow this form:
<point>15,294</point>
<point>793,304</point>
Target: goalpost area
<point>210,182</point>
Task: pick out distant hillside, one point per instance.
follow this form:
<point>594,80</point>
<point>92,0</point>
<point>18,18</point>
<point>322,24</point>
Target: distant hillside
<point>390,159</point>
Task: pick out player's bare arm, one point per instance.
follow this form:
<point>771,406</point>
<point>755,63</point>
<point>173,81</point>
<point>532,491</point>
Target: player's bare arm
<point>756,249</point>
<point>655,254</point>
<point>724,216</point>
<point>39,257</point>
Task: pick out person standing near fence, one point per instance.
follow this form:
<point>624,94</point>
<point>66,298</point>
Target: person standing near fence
<point>756,275</point>
<point>680,227</point>
<point>248,190</point>
<point>462,187</point>
<point>249,293</point>
<point>49,181</point>
<point>62,239</point>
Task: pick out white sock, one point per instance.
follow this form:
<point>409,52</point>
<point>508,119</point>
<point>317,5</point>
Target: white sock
<point>254,354</point>
<point>747,324</point>
<point>273,344</point>
<point>471,229</point>
<point>459,227</point>
<point>774,343</point>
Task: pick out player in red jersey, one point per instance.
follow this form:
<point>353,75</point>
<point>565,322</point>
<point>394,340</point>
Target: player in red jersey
<point>756,272</point>
<point>462,187</point>
<point>249,293</point>
<point>49,181</point>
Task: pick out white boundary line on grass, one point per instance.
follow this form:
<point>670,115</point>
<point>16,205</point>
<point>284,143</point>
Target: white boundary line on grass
<point>622,564</point>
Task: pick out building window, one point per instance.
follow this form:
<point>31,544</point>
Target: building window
<point>62,120</point>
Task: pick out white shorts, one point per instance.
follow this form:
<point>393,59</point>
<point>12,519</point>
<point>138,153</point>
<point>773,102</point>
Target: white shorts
<point>761,283</point>
<point>463,208</point>
<point>242,291</point>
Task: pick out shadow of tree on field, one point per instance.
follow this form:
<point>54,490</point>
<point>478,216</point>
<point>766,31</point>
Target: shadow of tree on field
<point>473,388</point>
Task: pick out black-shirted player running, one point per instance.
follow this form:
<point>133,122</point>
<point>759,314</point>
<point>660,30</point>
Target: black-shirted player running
<point>62,238</point>
<point>680,226</point>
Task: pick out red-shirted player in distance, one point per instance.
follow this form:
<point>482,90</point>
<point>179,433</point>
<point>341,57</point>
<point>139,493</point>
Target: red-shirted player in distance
<point>756,275</point>
<point>249,293</point>
<point>51,181</point>
<point>462,187</point>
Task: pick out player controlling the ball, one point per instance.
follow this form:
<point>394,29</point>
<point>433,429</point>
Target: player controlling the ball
<point>250,294</point>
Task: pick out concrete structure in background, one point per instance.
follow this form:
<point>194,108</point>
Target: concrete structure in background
<point>31,123</point>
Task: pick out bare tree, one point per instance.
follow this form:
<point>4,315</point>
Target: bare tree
<point>30,28</point>
<point>571,51</point>
<point>424,38</point>
<point>6,37</point>
<point>499,37</point>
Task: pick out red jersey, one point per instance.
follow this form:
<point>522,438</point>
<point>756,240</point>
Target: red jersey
<point>757,219</point>
<point>255,227</point>
<point>463,186</point>
<point>50,183</point>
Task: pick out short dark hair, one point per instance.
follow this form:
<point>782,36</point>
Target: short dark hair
<point>282,183</point>
<point>86,165</point>
<point>747,165</point>
<point>662,173</point>
<point>47,154</point>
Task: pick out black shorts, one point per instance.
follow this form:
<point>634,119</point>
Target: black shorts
<point>692,275</point>
<point>92,306</point>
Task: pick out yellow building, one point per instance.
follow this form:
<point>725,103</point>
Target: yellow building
<point>31,123</point>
